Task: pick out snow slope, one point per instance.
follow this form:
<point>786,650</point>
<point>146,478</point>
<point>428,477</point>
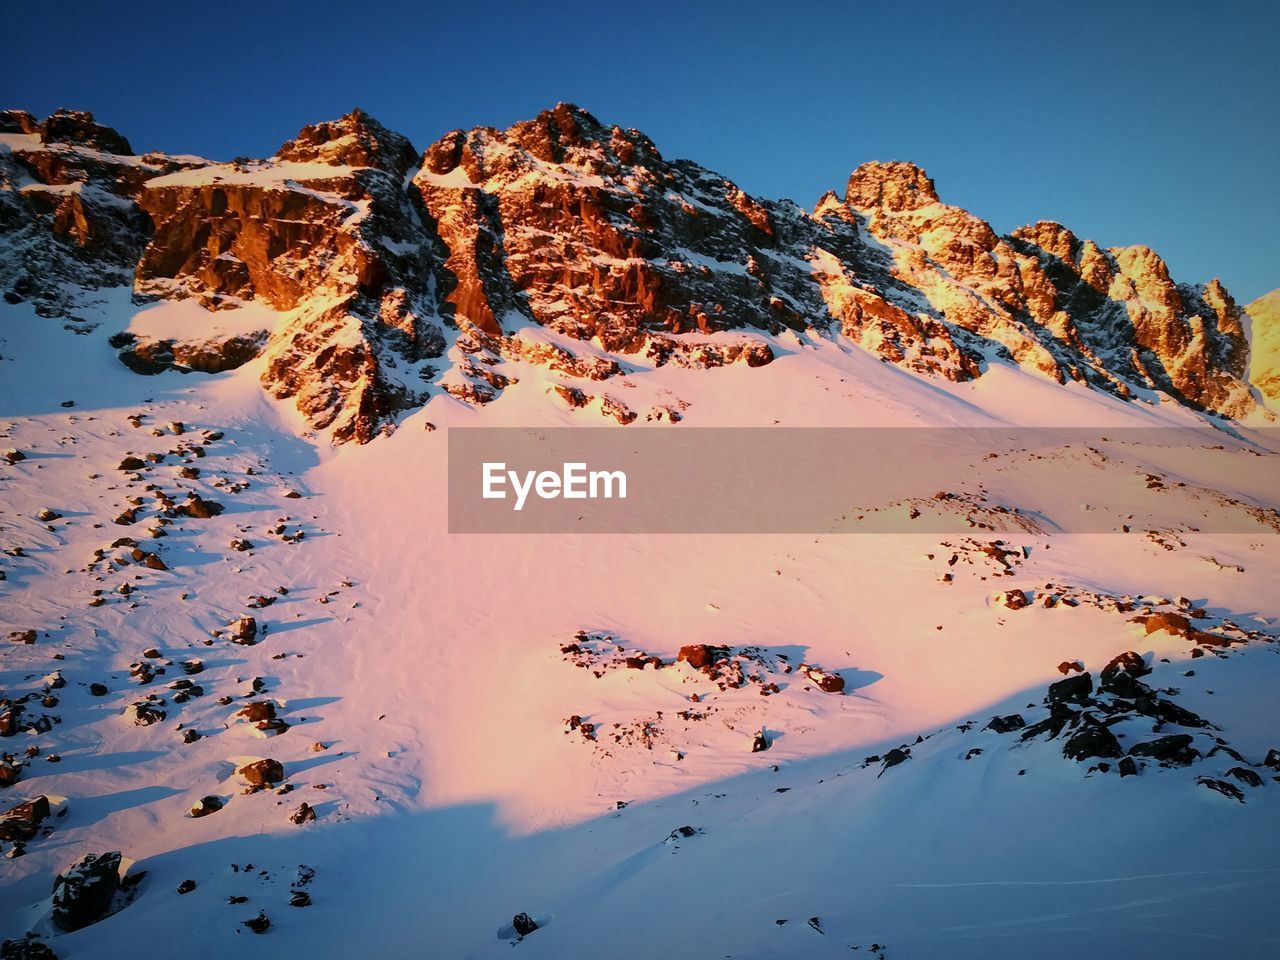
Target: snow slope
<point>451,794</point>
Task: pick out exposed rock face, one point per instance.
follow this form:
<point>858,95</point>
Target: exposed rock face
<point>588,230</point>
<point>68,215</point>
<point>326,230</point>
<point>213,355</point>
<point>1113,318</point>
<point>1264,369</point>
<point>378,260</point>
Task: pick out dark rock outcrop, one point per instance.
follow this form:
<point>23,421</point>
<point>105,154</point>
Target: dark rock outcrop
<point>83,894</point>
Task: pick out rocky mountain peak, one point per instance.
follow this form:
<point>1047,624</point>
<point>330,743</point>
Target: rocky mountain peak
<point>894,185</point>
<point>79,127</point>
<point>1051,237</point>
<point>379,260</point>
<point>354,140</point>
<point>18,121</point>
<point>554,133</point>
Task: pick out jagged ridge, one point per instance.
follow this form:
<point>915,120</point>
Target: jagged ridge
<point>381,257</point>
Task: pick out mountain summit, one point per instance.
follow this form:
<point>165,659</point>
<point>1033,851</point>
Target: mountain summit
<point>392,274</point>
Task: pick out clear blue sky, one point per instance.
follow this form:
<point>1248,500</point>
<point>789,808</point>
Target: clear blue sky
<point>1132,122</point>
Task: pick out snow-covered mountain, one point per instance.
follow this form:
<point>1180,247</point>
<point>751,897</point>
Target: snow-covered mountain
<point>249,656</point>
<point>391,271</point>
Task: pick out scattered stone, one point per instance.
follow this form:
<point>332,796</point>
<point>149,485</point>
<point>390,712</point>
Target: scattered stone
<point>27,637</point>
<point>1128,767</point>
<point>186,886</point>
<point>760,743</point>
<point>98,690</point>
<point>299,898</point>
<point>131,463</point>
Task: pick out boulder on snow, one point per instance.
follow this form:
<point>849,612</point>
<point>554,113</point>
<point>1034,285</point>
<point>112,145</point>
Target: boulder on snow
<point>259,924</point>
<point>1006,724</point>
<point>523,924</point>
<point>824,681</point>
<point>1222,787</point>
<point>205,806</point>
<point>199,508</point>
<point>263,773</point>
<point>304,814</point>
<point>896,756</point>
<point>1174,623</point>
<point>701,655</point>
<point>1128,662</point>
<point>1013,599</point>
<point>258,710</point>
<point>144,714</point>
<point>20,823</point>
<point>1092,741</point>
<point>82,895</point>
<point>1075,689</point>
<point>244,631</point>
<point>1245,776</point>
<point>1175,749</point>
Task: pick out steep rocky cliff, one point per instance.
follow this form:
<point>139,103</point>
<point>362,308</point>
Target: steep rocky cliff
<point>378,260</point>
<point>1264,373</point>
